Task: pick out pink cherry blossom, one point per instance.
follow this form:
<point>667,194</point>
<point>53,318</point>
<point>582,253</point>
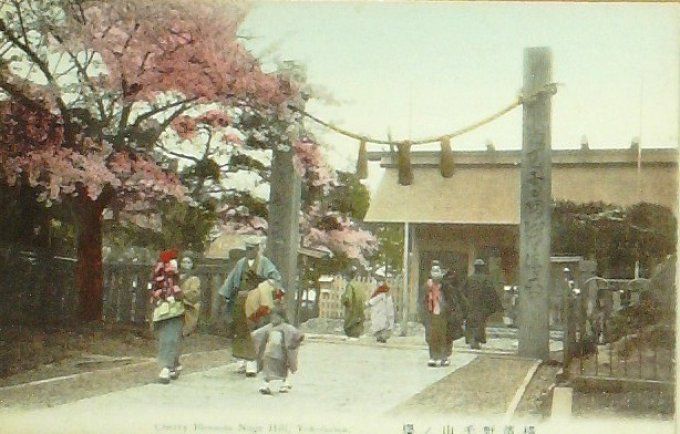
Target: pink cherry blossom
<point>311,164</point>
<point>159,46</point>
<point>344,238</point>
<point>185,126</point>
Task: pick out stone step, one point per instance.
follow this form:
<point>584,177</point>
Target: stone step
<point>511,333</point>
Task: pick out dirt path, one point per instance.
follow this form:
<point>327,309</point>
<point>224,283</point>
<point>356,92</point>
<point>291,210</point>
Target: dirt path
<point>347,383</point>
<point>487,385</point>
<point>95,383</point>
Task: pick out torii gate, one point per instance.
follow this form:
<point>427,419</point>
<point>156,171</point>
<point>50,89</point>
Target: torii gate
<point>535,209</point>
<point>535,198</point>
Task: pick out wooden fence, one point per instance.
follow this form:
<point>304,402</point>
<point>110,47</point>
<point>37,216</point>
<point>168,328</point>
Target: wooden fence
<point>36,289</point>
<point>614,331</point>
<point>41,290</point>
<point>126,296</point>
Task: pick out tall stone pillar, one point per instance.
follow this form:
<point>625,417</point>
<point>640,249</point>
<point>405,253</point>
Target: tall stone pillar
<point>536,204</point>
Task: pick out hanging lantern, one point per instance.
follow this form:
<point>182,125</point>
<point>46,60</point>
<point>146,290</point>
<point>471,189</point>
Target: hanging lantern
<point>362,161</point>
<point>446,158</point>
<point>404,163</point>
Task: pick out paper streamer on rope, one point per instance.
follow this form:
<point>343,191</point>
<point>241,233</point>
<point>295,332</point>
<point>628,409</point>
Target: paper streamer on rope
<point>362,161</point>
<point>404,163</point>
<point>446,159</point>
<point>404,158</point>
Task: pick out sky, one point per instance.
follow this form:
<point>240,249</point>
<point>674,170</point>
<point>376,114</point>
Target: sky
<point>424,69</point>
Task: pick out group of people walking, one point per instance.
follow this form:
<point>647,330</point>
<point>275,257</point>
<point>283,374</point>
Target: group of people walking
<point>263,341</point>
<point>451,308</point>
<point>380,302</point>
<point>262,338</point>
<point>454,307</point>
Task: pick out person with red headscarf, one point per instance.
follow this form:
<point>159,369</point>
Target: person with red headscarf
<point>436,319</point>
<point>168,313</point>
<point>382,312</point>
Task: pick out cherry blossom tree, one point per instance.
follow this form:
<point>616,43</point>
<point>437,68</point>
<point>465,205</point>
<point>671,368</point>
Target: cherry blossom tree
<point>90,90</point>
<point>324,224</point>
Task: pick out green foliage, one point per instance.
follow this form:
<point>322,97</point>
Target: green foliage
<point>28,224</point>
<point>246,162</point>
<point>391,245</point>
<point>255,205</point>
<point>206,169</point>
<point>184,227</point>
<point>351,197</point>
<point>615,237</point>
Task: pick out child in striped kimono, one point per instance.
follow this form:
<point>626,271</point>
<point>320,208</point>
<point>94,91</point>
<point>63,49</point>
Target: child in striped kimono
<point>277,346</point>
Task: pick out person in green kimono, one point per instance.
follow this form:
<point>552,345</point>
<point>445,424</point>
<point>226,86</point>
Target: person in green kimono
<point>247,274</point>
<point>353,300</point>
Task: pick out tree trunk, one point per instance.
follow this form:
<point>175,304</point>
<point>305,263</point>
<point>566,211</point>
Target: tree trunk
<point>89,270</point>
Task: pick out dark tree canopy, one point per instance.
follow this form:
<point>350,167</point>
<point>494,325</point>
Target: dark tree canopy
<point>614,236</point>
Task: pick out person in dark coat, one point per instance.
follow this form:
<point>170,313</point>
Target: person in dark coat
<point>482,302</point>
<point>456,303</point>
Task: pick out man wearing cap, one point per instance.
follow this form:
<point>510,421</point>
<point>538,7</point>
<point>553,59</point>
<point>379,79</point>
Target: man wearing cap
<point>246,275</point>
<point>482,302</point>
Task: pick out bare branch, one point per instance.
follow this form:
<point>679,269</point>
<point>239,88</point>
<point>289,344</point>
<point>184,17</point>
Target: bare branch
<point>216,188</point>
<point>179,154</point>
<point>17,7</point>
<point>122,123</point>
<point>6,49</point>
<point>44,68</point>
<point>56,66</point>
<point>141,65</point>
<point>206,154</point>
<point>82,70</point>
<point>168,121</point>
<point>144,116</point>
<point>27,50</point>
<point>212,152</point>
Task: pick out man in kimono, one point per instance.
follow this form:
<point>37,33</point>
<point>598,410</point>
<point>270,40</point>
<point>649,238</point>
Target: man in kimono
<point>247,275</point>
<point>482,302</point>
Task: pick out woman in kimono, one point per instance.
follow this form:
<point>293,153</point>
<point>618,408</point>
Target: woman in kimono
<point>168,314</point>
<point>382,312</point>
<point>436,320</point>
<point>191,290</point>
<point>353,301</point>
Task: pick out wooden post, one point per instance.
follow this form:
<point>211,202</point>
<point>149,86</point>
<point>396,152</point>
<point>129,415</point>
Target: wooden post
<point>404,283</point>
<point>536,204</point>
<point>299,292</point>
<point>283,237</point>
